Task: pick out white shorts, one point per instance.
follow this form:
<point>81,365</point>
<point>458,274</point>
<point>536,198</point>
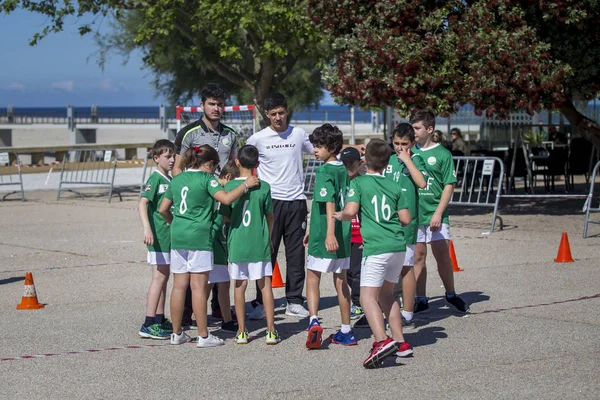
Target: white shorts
<point>381,267</point>
<point>424,234</point>
<point>183,261</point>
<point>409,259</point>
<point>219,274</point>
<point>250,270</point>
<point>335,265</point>
<point>155,258</point>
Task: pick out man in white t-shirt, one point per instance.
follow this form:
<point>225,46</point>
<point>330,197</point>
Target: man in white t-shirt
<point>280,148</point>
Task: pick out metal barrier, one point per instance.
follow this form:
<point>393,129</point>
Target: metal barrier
<point>7,178</point>
<point>89,167</point>
<point>310,170</point>
<point>588,207</point>
<point>149,166</point>
<point>479,184</point>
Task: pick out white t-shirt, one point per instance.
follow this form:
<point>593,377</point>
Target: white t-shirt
<point>280,157</point>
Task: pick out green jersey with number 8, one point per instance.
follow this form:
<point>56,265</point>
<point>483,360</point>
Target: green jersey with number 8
<point>439,172</point>
<point>379,199</point>
<point>249,239</point>
<point>192,194</point>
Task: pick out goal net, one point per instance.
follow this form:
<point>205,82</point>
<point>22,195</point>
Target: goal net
<point>242,119</point>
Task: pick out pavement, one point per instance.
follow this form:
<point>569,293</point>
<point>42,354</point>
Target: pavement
<point>533,331</point>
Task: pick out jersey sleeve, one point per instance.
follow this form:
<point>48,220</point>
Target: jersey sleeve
<point>268,200</point>
<point>213,186</point>
<point>307,146</point>
<point>169,194</point>
<point>223,209</point>
<point>251,140</point>
<point>354,192</point>
<point>401,203</point>
<point>448,173</point>
<point>151,188</point>
<point>324,189</point>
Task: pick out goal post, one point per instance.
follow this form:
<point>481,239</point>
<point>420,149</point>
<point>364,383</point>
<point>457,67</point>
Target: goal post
<point>241,118</point>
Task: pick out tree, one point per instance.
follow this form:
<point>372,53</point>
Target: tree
<point>498,55</point>
<point>251,47</point>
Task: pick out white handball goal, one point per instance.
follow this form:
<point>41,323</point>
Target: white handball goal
<point>242,119</point>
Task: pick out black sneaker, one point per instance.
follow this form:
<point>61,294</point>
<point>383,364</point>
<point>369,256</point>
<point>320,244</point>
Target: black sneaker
<point>362,322</point>
<point>458,303</point>
<point>231,326</point>
<point>421,306</point>
<point>408,324</point>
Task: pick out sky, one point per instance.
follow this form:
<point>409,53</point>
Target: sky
<point>62,70</point>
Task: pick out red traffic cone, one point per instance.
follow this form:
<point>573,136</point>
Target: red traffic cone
<point>453,259</point>
<point>564,250</point>
<point>29,301</point>
<point>277,282</point>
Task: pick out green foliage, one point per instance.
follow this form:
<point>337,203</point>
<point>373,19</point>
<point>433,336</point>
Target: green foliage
<point>250,47</point>
<point>533,139</point>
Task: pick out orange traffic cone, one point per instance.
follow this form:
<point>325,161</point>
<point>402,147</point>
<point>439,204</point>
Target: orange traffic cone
<point>277,282</point>
<point>29,301</point>
<point>453,258</point>
<point>564,250</point>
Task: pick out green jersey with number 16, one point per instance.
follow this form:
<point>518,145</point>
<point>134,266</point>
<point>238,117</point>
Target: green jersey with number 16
<point>249,239</point>
<point>439,172</point>
<point>379,199</point>
<point>192,194</point>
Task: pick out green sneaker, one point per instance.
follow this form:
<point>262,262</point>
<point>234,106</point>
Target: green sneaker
<point>241,338</point>
<point>153,332</point>
<point>273,337</point>
<point>167,326</point>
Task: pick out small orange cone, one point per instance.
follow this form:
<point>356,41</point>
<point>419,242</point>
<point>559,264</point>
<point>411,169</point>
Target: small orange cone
<point>277,282</point>
<point>29,301</point>
<point>564,250</point>
<point>453,258</point>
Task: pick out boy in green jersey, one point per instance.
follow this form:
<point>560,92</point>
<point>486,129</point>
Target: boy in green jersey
<point>328,243</point>
<point>383,211</point>
<point>249,243</point>
<point>220,274</point>
<point>192,195</point>
<point>434,225</point>
<point>157,236</point>
<point>406,169</point>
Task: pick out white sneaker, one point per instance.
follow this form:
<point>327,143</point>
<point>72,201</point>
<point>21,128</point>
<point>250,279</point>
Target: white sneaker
<point>257,313</point>
<point>180,338</point>
<point>296,310</point>
<point>210,341</point>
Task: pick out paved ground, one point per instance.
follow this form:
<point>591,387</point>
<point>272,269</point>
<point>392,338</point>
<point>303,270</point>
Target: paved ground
<point>87,260</point>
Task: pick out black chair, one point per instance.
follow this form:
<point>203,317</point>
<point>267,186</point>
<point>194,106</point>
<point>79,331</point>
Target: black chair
<point>579,160</point>
<point>520,168</point>
<point>557,166</point>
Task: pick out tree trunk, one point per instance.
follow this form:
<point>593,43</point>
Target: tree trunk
<point>588,128</point>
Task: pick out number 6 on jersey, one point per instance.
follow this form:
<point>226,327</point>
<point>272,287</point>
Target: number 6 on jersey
<point>386,210</point>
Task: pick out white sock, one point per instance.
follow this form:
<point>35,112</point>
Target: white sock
<point>313,317</point>
<point>346,328</point>
<point>408,315</point>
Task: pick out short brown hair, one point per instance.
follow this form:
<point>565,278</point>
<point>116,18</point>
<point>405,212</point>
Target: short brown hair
<point>162,146</point>
<point>378,154</point>
<point>195,156</point>
<point>427,117</point>
<point>230,169</point>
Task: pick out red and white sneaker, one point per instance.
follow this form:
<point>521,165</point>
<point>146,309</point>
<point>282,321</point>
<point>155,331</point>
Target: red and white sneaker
<point>380,350</point>
<point>404,350</point>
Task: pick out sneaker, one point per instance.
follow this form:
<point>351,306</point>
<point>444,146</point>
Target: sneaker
<point>153,332</point>
<point>216,314</point>
<point>362,322</point>
<point>458,303</point>
<point>380,351</point>
<point>241,338</point>
<point>315,335</point>
<point>404,350</point>
<point>406,324</point>
<point>356,312</point>
<point>231,326</point>
<point>345,339</point>
<point>273,337</point>
<point>421,306</point>
<point>296,310</point>
<point>167,325</point>
<point>179,338</point>
<point>210,341</point>
<point>257,313</point>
